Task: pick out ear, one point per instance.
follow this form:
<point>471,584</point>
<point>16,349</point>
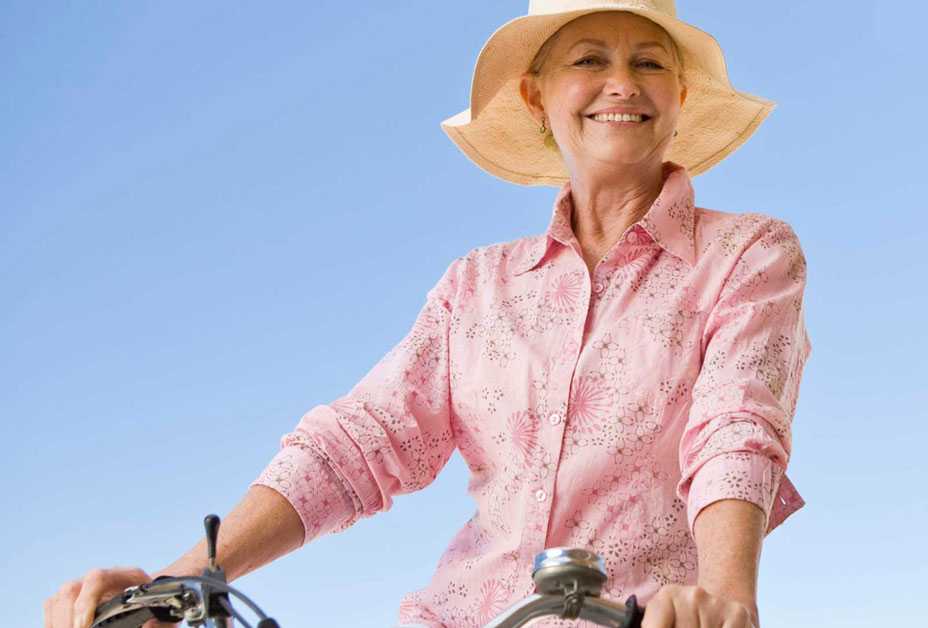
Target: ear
<point>530,91</point>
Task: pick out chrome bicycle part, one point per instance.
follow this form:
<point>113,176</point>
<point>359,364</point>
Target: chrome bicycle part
<point>568,583</point>
<point>563,569</point>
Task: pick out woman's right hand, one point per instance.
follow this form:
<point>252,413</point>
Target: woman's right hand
<point>74,604</point>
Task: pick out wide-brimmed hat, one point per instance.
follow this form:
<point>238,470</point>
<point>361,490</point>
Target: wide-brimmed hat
<point>498,133</point>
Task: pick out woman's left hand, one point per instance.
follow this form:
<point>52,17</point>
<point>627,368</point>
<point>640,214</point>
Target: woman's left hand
<point>679,606</point>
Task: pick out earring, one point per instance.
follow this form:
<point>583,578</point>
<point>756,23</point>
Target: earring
<point>548,136</point>
<point>676,133</point>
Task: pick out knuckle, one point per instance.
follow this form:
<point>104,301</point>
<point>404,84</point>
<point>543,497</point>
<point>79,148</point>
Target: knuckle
<point>742,613</point>
<point>95,575</point>
<point>69,588</point>
<point>669,590</point>
<point>686,594</point>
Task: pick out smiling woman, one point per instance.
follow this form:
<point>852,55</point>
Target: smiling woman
<point>624,382</point>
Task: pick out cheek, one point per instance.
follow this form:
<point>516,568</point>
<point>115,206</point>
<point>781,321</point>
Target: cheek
<point>668,99</point>
<point>573,97</point>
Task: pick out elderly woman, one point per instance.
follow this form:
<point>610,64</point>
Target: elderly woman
<point>624,382</point>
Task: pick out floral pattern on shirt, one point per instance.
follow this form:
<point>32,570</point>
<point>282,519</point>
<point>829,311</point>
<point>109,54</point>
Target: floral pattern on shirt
<point>599,411</point>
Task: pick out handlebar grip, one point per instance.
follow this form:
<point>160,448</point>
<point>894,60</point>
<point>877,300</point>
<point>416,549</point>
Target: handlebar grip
<point>130,619</point>
<point>635,612</point>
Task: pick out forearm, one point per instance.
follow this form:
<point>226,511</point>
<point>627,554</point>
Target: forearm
<point>729,534</point>
<point>261,528</point>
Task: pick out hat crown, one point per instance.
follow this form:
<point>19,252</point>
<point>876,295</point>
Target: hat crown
<point>541,7</point>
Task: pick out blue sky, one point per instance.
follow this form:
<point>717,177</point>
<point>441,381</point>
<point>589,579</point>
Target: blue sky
<point>214,216</point>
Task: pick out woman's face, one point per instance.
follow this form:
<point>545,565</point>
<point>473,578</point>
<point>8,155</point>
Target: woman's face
<point>631,65</point>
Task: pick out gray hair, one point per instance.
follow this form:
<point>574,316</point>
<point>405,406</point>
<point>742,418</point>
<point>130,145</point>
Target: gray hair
<point>544,51</point>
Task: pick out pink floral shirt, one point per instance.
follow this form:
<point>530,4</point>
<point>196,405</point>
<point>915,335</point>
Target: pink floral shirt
<point>600,412</point>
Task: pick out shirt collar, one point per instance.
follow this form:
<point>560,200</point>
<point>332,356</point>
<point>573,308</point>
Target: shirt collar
<point>670,220</point>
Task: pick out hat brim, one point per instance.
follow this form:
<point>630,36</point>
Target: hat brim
<point>498,133</point>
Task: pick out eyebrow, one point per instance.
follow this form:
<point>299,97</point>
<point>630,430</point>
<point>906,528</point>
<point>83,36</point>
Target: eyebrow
<point>602,44</point>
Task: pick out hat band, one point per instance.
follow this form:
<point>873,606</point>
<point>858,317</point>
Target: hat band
<point>542,7</point>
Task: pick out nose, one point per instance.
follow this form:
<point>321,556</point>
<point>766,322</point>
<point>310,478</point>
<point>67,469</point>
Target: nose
<point>621,82</point>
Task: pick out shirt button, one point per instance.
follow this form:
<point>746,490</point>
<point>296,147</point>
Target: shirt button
<point>598,286</point>
<point>632,237</point>
<point>540,495</point>
<point>554,419</point>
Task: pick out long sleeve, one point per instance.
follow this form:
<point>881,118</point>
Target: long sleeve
<point>737,440</point>
<point>390,434</point>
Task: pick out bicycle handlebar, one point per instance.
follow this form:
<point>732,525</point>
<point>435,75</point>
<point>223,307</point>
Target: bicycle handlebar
<point>568,583</point>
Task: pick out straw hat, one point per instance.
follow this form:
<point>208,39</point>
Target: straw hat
<point>498,133</point>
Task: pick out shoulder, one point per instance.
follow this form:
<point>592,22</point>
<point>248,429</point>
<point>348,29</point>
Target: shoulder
<point>741,246</point>
<point>499,258</point>
<point>487,265</point>
<point>732,234</point>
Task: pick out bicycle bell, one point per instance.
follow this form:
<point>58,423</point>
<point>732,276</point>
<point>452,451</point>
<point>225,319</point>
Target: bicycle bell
<point>566,570</point>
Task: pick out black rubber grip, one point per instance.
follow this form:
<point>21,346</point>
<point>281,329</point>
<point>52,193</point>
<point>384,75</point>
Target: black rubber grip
<point>129,619</point>
<point>134,618</point>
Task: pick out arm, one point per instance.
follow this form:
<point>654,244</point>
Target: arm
<point>262,527</point>
<point>737,441</point>
<point>390,434</point>
<point>729,535</point>
<point>736,444</point>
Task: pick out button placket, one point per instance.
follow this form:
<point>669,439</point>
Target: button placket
<point>541,495</point>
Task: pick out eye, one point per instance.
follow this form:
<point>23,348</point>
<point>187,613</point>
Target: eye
<point>653,64</point>
<point>581,61</point>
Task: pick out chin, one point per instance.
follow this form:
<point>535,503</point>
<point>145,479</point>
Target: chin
<point>623,158</point>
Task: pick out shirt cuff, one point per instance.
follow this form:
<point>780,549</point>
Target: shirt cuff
<point>735,475</point>
<point>305,479</point>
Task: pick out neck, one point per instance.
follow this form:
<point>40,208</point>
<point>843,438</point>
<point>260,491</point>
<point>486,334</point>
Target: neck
<point>607,204</point>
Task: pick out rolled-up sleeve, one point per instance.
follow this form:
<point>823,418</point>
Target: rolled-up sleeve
<point>737,440</point>
<point>390,434</point>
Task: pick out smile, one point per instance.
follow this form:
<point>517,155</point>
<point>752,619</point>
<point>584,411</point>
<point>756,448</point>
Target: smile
<point>620,118</point>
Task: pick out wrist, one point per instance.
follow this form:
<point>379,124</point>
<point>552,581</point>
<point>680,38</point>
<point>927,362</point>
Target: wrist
<point>190,564</point>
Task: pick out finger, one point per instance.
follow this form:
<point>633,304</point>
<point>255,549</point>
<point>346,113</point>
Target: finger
<point>63,603</point>
<point>100,583</point>
<point>658,613</point>
<point>688,606</point>
<point>47,612</point>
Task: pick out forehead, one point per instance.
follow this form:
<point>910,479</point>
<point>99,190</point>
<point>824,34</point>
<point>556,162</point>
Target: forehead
<point>612,27</point>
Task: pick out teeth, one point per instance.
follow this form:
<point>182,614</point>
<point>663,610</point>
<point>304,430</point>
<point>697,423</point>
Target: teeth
<point>618,117</point>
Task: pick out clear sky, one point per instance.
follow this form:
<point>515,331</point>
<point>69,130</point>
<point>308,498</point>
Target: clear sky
<point>215,215</point>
